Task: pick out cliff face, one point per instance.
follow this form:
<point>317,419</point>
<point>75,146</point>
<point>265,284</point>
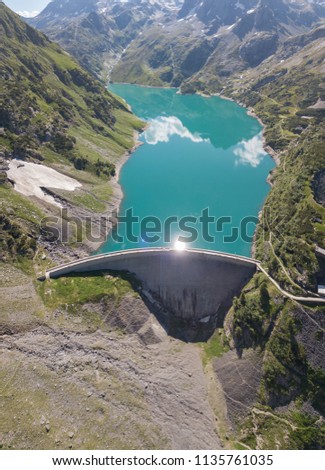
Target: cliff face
<point>258,48</point>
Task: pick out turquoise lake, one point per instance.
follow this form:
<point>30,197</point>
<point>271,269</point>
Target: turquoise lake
<point>200,157</point>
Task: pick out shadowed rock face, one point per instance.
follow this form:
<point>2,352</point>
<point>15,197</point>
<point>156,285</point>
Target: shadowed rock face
<point>318,186</point>
<point>240,379</point>
<point>190,291</point>
<point>258,48</point>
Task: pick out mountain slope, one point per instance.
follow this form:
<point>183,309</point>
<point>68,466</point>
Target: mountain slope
<point>287,91</point>
<point>222,37</point>
<point>53,112</point>
<point>284,93</point>
<point>95,32</point>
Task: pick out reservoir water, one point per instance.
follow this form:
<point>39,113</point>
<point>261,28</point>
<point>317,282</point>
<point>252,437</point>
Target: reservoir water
<point>198,180</point>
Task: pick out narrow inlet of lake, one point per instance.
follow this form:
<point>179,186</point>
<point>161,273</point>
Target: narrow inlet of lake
<point>198,181</point>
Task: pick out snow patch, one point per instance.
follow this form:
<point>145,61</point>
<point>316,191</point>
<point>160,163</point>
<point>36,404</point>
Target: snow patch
<point>28,14</point>
<point>29,179</point>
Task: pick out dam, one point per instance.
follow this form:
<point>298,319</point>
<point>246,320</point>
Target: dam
<point>188,288</point>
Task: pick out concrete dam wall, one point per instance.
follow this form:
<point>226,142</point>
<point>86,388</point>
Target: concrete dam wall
<point>191,286</point>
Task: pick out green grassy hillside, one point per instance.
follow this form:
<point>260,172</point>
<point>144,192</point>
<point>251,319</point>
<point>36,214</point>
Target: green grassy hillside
<point>54,113</point>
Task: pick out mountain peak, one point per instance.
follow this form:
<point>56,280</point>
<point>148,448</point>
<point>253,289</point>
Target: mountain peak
<point>71,8</point>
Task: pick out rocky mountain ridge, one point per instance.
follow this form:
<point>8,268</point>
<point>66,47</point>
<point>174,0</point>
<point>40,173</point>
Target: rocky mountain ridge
<point>112,35</point>
<point>216,38</point>
<point>97,32</point>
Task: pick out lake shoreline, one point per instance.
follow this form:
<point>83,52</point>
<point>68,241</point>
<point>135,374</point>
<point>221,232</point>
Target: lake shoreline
<point>146,86</point>
<point>252,113</point>
<point>268,149</point>
<point>114,205</point>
